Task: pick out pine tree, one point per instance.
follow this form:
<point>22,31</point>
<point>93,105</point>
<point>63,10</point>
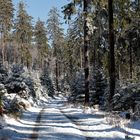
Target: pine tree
<point>111,51</point>
<point>56,36</point>
<point>2,92</point>
<point>41,41</point>
<point>77,87</point>
<point>73,51</point>
<point>46,81</point>
<point>23,34</point>
<point>68,11</point>
<point>70,53</point>
<point>76,39</point>
<point>3,77</point>
<point>98,85</point>
<point>15,83</point>
<point>86,52</point>
<point>31,85</point>
<point>3,73</point>
<point>6,22</point>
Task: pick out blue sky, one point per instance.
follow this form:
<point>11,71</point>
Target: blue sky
<point>40,8</point>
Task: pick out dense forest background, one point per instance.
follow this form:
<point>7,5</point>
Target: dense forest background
<point>97,61</point>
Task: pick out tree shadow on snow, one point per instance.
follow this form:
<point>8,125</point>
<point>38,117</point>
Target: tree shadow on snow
<point>56,124</point>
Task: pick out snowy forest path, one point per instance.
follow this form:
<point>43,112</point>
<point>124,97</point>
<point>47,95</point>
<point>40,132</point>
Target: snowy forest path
<point>56,119</point>
<point>52,124</point>
<point>45,122</point>
<point>34,135</point>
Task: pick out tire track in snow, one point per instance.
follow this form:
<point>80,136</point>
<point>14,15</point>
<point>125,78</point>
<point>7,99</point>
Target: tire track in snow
<point>35,134</point>
<point>71,118</point>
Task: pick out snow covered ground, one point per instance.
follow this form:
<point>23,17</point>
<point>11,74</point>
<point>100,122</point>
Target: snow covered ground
<point>57,120</point>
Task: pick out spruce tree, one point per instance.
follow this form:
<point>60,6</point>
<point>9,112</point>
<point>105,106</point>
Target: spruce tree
<point>15,81</point>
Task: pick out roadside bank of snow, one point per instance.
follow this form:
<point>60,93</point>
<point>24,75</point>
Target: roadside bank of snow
<point>98,125</point>
<point>19,128</point>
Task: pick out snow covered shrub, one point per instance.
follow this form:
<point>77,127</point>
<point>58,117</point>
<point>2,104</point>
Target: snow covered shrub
<point>2,92</point>
<point>13,103</point>
<point>15,81</point>
<point>30,83</point>
<point>3,76</point>
<point>127,97</point>
<point>127,137</point>
<point>64,84</point>
<point>136,114</point>
<point>47,82</point>
<point>3,73</point>
<point>77,87</point>
<point>107,104</point>
<point>113,118</point>
<point>98,84</point>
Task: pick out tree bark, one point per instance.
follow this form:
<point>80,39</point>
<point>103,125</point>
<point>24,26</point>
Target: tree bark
<point>86,52</point>
<point>56,74</point>
<point>111,51</point>
<point>138,5</point>
<point>2,50</point>
<point>21,57</point>
<point>130,61</point>
<point>56,66</point>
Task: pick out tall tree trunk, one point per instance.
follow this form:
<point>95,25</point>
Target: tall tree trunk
<point>138,5</point>
<point>56,74</point>
<point>56,67</point>
<point>22,59</point>
<point>2,43</point>
<point>2,48</point>
<point>130,61</point>
<point>111,51</point>
<point>5,49</point>
<point>59,69</point>
<point>81,58</point>
<point>3,53</point>
<point>86,52</point>
<point>119,72</point>
<point>16,49</point>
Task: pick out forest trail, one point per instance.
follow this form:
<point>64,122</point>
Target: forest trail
<point>55,119</point>
<point>46,122</point>
<point>52,124</point>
